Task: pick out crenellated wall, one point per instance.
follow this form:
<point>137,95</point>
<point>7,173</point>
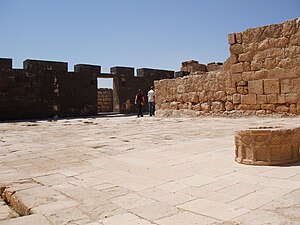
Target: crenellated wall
<point>261,76</point>
<point>44,89</point>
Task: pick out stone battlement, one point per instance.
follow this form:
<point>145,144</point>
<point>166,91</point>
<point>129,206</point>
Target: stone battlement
<point>42,65</point>
<point>45,89</point>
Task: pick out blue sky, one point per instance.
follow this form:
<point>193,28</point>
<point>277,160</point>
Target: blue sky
<point>136,33</point>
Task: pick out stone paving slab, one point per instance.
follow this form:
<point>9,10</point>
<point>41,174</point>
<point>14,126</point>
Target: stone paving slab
<point>116,170</point>
<point>31,219</point>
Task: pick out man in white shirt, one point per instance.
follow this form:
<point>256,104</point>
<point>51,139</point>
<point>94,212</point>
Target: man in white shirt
<point>151,101</point>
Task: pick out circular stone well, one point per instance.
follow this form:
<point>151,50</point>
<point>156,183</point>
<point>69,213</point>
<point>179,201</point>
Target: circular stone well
<point>267,146</point>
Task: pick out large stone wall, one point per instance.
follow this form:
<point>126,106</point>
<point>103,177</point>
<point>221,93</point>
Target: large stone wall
<point>44,89</point>
<point>261,76</point>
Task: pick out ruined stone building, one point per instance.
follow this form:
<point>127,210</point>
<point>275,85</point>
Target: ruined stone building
<point>261,76</point>
<point>45,89</point>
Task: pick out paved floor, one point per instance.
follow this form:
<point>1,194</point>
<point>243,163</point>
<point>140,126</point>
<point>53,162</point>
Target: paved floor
<point>116,170</point>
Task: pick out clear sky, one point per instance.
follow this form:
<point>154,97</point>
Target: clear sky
<point>136,33</point>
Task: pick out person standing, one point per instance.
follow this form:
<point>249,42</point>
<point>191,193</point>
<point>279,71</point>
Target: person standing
<point>139,101</point>
<point>151,101</point>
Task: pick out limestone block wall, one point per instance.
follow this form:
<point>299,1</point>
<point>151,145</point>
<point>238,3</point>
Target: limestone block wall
<point>261,76</point>
<point>105,100</point>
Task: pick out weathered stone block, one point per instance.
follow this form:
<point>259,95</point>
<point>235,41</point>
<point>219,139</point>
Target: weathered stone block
<point>242,90</point>
<point>251,47</point>
<point>245,57</point>
<point>237,68</point>
<point>214,66</point>
<point>296,84</point>
<point>270,107</point>
<point>281,98</point>
<point>230,90</point>
<point>5,63</point>
<point>246,66</point>
<point>298,108</point>
<point>236,77</point>
<point>229,98</point>
<point>217,106</point>
<point>255,87</point>
<point>236,49</point>
<point>261,99</point>
<point>220,96</point>
<point>210,96</point>
<point>151,73</point>
<point>270,64</point>
<point>249,99</point>
<point>292,51</point>
<point>85,68</point>
<point>279,42</point>
<point>282,108</point>
<point>202,96</point>
<point>193,66</point>
<point>290,27</point>
<point>234,58</point>
<point>231,39</point>
<point>239,37</point>
<point>229,106</point>
<point>174,105</point>
<point>255,65</point>
<point>252,35</point>
<point>241,83</point>
<point>227,65</point>
<point>185,97</point>
<point>295,39</point>
<point>205,107</point>
<point>193,97</point>
<point>272,98</point>
<point>293,108</point>
<point>269,53</point>
<point>196,107</point>
<point>271,86</point>
<point>41,65</point>
<point>260,112</point>
<point>264,45</point>
<point>274,31</point>
<point>292,98</point>
<point>257,75</point>
<point>180,89</point>
<point>286,86</point>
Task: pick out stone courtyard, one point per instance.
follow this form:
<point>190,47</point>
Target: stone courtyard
<point>123,170</point>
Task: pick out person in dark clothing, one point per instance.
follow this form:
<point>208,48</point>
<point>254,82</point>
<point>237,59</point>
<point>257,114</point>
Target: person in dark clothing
<point>139,101</point>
